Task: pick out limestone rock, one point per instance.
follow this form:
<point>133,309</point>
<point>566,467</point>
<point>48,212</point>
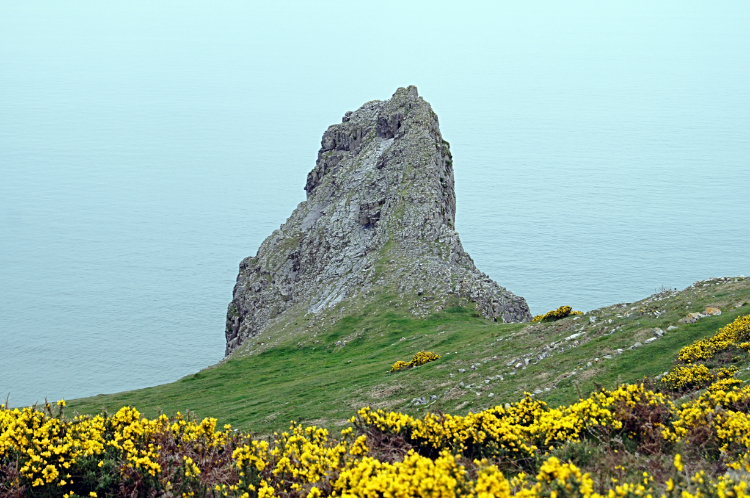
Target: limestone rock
<point>380,214</point>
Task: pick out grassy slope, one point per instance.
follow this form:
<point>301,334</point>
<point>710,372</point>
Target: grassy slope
<point>310,379</point>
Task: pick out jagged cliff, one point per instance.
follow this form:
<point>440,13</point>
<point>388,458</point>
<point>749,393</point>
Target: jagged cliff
<point>379,214</point>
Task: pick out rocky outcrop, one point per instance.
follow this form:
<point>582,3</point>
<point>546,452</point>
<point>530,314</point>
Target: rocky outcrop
<point>379,214</point>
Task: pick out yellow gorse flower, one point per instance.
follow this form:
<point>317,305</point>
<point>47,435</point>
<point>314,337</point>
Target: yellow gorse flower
<point>420,358</point>
<point>557,314</point>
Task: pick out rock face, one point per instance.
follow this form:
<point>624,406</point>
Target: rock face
<point>379,215</point>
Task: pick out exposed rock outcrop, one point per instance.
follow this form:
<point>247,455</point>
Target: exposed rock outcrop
<point>379,214</point>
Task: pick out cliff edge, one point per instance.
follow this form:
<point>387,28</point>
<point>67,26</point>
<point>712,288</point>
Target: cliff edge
<point>379,215</point>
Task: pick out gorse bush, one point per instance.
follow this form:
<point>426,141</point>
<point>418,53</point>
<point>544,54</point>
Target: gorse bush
<point>419,359</point>
<point>557,314</point>
<point>693,373</point>
<point>400,365</point>
<point>423,357</point>
<point>490,453</point>
<point>43,453</point>
<point>688,377</point>
<point>733,335</point>
<point>514,433</point>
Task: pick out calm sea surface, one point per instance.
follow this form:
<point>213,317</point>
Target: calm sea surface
<point>602,150</point>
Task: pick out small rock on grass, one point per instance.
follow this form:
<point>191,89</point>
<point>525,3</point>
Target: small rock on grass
<point>691,318</point>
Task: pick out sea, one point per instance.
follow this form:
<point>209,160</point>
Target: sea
<point>601,153</point>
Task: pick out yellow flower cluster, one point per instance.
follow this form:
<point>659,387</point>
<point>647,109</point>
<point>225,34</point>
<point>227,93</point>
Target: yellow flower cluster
<point>695,375</point>
<point>718,418</point>
<point>415,476</point>
<point>734,334</point>
<point>516,430</point>
<point>419,476</point>
<point>45,447</point>
<point>556,478</point>
<point>557,314</point>
<point>420,358</point>
<point>49,450</point>
<point>423,357</point>
<point>52,452</point>
<point>400,365</point>
<point>299,459</point>
<point>130,433</point>
<point>684,377</point>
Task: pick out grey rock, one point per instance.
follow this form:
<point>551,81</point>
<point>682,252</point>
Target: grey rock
<point>382,189</point>
<point>419,401</point>
<point>461,370</point>
<point>671,328</point>
<point>592,319</point>
<point>650,340</point>
<point>658,332</point>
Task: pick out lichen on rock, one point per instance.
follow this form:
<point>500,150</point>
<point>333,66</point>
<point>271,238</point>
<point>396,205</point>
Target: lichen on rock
<point>380,213</point>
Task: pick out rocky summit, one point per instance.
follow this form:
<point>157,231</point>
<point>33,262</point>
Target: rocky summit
<point>379,217</point>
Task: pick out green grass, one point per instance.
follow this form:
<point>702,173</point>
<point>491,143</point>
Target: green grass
<point>303,375</point>
<point>316,383</point>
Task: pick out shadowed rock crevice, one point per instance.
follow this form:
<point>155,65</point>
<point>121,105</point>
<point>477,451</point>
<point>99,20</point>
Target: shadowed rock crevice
<point>381,195</point>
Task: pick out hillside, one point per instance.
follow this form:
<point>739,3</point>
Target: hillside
<point>323,377</point>
<point>370,270</point>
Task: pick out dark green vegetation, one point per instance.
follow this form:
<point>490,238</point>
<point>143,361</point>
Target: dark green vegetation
<point>318,379</point>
